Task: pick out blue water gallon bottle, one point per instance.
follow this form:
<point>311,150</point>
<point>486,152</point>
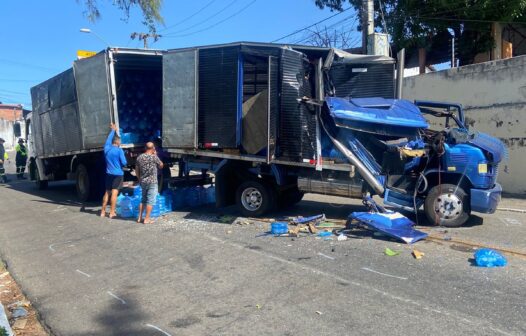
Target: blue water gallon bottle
<point>127,207</point>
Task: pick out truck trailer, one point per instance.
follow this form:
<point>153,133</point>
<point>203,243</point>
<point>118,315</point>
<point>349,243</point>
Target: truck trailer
<point>73,110</point>
<point>273,122</point>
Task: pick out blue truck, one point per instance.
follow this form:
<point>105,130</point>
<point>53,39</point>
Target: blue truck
<point>273,122</point>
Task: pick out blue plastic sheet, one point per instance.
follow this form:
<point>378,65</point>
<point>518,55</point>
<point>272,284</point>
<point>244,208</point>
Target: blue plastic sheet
<point>489,258</point>
<point>390,223</point>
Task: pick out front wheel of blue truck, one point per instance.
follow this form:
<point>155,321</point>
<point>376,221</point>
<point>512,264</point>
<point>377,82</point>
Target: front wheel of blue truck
<point>447,205</point>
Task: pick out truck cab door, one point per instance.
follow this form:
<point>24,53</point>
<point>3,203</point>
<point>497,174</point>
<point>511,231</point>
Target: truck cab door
<point>95,101</point>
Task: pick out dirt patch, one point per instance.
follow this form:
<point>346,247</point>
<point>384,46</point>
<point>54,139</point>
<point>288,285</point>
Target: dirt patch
<point>12,298</point>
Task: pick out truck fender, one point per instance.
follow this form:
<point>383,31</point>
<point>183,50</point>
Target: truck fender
<point>448,177</point>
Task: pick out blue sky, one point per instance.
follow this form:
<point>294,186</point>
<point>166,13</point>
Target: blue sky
<point>40,38</point>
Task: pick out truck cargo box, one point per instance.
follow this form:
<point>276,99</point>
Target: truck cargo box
<point>73,109</point>
<point>238,98</point>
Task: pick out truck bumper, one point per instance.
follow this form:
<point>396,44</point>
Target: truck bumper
<point>486,200</point>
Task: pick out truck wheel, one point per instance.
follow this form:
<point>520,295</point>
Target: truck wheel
<point>83,183</point>
<point>447,205</point>
<point>254,198</point>
<point>41,185</point>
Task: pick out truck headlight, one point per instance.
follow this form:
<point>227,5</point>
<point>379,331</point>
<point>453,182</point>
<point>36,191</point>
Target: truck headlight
<point>483,168</point>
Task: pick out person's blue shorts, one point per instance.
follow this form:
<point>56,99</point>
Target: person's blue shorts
<point>149,193</point>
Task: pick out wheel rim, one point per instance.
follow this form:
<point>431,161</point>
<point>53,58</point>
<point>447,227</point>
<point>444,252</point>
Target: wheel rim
<point>252,199</point>
<point>448,206</point>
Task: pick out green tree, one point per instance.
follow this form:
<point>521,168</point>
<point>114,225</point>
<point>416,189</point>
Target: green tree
<point>425,23</point>
<point>151,10</point>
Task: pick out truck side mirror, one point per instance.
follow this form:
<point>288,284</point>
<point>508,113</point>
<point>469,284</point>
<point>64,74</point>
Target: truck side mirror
<point>17,130</point>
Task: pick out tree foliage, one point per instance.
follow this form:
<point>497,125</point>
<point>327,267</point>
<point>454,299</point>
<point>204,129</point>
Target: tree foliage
<point>420,23</point>
<point>151,10</point>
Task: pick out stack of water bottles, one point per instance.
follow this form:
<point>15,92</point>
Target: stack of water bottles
<point>189,197</point>
<point>139,106</point>
<point>128,204</point>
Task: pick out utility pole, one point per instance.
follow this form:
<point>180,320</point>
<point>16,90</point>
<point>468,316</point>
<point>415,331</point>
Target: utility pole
<point>144,37</point>
<point>367,22</point>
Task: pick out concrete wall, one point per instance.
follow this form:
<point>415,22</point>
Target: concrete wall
<point>494,97</point>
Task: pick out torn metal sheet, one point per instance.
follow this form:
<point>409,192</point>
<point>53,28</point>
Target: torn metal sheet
<point>391,223</point>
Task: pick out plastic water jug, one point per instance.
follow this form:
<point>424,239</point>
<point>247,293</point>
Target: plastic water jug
<point>179,198</point>
<point>126,207</point>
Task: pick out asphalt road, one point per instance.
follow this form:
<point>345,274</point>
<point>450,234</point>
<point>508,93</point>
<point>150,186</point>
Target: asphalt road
<point>188,274</point>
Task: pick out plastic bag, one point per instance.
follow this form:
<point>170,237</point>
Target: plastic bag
<point>489,258</point>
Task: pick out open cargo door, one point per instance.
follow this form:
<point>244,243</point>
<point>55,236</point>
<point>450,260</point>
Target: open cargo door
<point>297,129</point>
<point>94,99</point>
<point>180,80</point>
<point>273,106</point>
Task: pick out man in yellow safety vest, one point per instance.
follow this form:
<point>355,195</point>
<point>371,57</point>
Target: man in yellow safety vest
<point>21,159</point>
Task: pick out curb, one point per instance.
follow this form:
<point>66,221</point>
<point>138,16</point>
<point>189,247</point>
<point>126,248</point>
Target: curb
<point>4,322</point>
<point>511,210</point>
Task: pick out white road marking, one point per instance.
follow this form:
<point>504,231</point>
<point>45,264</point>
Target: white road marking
<point>116,297</point>
<point>326,256</point>
<point>388,275</point>
<point>345,281</point>
<point>510,221</point>
<point>54,244</point>
<point>85,274</point>
<point>158,329</point>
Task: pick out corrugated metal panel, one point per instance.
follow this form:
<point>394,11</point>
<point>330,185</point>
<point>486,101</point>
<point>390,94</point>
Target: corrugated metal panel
<point>363,80</point>
<point>218,117</point>
<point>94,104</point>
<point>70,122</point>
<point>58,131</point>
<point>179,99</point>
<point>47,133</point>
<point>273,106</point>
<point>297,125</point>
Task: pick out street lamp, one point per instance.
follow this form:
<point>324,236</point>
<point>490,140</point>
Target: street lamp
<point>89,31</point>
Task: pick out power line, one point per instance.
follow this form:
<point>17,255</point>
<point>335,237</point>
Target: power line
<point>217,23</point>
<point>205,20</point>
<point>190,16</point>
<point>37,67</point>
<point>19,80</point>
<point>312,25</point>
<point>303,40</point>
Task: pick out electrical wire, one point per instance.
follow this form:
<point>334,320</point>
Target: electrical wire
<point>217,23</point>
<point>209,3</point>
<point>36,67</point>
<point>310,36</point>
<point>310,26</point>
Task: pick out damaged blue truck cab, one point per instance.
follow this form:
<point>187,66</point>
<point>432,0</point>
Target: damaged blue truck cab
<point>420,154</point>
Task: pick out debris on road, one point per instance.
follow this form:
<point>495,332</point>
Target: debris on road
<point>279,228</point>
<point>489,258</point>
<point>342,237</point>
<point>417,254</point>
<point>390,252</point>
<point>324,234</point>
<point>390,223</point>
<point>19,312</point>
<point>319,312</point>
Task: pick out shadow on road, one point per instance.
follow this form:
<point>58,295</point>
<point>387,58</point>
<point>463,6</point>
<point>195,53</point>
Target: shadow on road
<point>120,319</point>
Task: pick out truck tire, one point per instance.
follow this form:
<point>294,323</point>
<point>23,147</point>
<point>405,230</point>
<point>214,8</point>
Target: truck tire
<point>447,205</point>
<point>255,198</point>
<point>89,186</point>
<point>41,185</point>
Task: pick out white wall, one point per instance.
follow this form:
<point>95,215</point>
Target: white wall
<point>494,97</point>
<point>6,133</point>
